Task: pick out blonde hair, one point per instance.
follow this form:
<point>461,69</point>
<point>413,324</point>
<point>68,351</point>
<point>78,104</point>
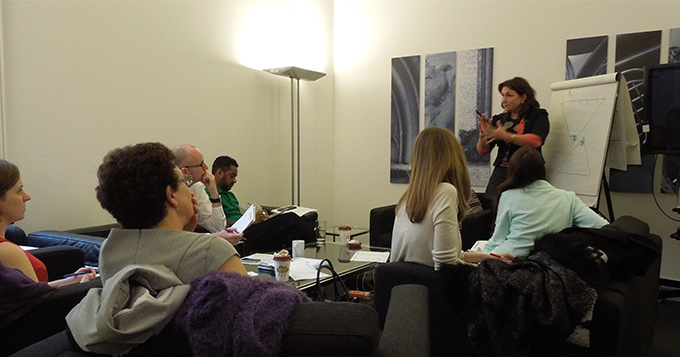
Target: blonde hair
<point>437,157</point>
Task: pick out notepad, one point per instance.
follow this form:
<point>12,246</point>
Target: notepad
<point>246,220</point>
<point>367,256</point>
<point>478,246</point>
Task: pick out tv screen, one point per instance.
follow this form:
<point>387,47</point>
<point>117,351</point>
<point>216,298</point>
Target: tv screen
<point>662,104</point>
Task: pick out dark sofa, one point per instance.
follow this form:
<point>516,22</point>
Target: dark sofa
<point>314,329</point>
<point>88,240</point>
<point>623,318</point>
<point>59,259</point>
<point>475,226</point>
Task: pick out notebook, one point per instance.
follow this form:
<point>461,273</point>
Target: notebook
<point>246,220</point>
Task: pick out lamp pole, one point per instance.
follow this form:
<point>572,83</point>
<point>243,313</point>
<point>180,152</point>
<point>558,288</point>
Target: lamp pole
<point>295,74</point>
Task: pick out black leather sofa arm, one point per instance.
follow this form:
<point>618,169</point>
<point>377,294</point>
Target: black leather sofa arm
<point>60,260</point>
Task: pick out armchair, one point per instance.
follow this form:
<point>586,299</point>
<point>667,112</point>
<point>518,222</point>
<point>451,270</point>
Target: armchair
<point>623,317</point>
<point>475,226</point>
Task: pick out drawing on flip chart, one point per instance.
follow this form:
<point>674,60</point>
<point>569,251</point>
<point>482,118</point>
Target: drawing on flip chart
<point>578,116</point>
<point>583,114</point>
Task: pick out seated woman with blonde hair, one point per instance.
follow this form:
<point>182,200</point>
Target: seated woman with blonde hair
<point>426,225</point>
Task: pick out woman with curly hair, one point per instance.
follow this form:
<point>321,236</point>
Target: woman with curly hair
<point>142,188</point>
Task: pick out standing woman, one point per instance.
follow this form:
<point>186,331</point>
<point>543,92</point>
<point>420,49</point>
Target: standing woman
<point>523,123</point>
<point>426,225</point>
<point>12,208</point>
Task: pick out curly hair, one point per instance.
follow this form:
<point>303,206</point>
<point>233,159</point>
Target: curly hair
<point>132,183</point>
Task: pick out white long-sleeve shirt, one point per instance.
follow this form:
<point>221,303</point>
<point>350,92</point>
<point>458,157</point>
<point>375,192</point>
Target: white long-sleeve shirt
<point>209,217</point>
<point>436,239</point>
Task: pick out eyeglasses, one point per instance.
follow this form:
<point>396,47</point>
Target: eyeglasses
<point>187,180</point>
<point>202,164</point>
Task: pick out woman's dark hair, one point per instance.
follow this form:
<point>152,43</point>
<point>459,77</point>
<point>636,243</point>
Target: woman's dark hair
<point>526,166</point>
<point>522,87</point>
<point>132,183</point>
<point>9,175</point>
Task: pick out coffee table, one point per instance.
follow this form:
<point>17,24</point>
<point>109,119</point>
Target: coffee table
<point>339,256</point>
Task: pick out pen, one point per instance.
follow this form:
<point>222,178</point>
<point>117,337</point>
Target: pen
<point>76,274</point>
<point>478,113</point>
<point>495,255</point>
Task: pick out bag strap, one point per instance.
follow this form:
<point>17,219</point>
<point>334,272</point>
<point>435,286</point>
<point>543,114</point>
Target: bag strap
<point>335,278</point>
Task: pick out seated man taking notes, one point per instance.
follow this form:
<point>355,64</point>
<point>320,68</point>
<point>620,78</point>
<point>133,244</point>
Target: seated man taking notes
<point>267,233</point>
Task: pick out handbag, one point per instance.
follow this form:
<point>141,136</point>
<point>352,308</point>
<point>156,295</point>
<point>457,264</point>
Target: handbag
<point>340,294</point>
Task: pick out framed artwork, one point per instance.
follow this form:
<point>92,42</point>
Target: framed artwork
<point>405,115</point>
<point>634,51</point>
<point>586,57</point>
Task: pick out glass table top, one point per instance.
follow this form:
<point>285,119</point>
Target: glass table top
<point>337,253</point>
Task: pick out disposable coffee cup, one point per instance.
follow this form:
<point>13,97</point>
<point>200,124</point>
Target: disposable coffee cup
<point>344,254</point>
<point>281,267</point>
<point>345,234</point>
<point>298,248</point>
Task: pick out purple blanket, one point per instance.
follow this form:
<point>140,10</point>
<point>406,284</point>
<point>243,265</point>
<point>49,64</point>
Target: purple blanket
<point>229,314</point>
<point>19,294</point>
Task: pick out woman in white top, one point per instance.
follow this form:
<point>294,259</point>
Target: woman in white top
<point>426,225</point>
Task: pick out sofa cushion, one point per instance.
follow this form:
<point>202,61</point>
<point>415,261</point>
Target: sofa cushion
<point>16,235</point>
<point>88,244</point>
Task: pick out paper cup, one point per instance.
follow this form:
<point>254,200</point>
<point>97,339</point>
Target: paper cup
<point>281,268</point>
<point>298,248</point>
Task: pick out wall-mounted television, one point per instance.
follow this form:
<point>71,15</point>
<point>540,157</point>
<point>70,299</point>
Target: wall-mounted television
<point>662,105</point>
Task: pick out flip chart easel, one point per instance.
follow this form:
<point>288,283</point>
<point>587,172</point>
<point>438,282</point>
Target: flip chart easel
<point>591,124</point>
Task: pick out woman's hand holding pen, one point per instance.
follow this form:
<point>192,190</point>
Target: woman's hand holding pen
<point>82,275</point>
<point>484,126</point>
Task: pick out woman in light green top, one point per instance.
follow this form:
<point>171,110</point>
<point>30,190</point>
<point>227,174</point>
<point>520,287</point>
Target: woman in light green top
<point>529,207</point>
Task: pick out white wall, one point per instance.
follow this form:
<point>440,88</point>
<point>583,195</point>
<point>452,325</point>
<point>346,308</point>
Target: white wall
<point>529,40</point>
<point>83,77</point>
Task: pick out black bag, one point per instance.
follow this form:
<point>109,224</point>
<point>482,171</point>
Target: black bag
<point>277,232</point>
<point>335,281</point>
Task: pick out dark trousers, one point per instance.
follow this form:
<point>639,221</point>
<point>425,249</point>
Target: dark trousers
<point>499,174</point>
<point>276,233</point>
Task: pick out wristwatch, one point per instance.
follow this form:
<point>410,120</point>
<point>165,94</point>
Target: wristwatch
<point>214,200</point>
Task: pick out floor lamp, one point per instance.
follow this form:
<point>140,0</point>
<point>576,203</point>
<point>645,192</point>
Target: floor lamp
<point>295,74</point>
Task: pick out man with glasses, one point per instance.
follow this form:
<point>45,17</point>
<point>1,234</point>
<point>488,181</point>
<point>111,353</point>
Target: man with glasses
<point>190,161</point>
